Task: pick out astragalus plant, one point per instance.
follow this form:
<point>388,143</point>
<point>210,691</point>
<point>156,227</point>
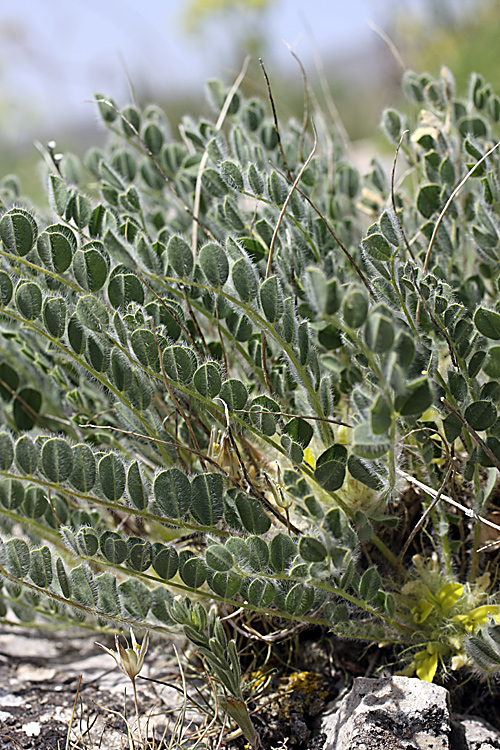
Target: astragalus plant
<point>225,356</point>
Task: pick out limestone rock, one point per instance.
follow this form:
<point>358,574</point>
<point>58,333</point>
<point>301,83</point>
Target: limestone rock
<point>401,713</point>
<point>472,733</point>
<point>397,713</point>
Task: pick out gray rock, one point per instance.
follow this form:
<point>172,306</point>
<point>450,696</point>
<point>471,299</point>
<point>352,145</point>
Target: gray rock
<point>401,713</point>
<point>397,713</point>
<point>473,733</point>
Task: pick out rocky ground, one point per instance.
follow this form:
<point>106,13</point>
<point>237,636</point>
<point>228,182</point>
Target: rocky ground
<point>64,693</point>
<point>43,706</point>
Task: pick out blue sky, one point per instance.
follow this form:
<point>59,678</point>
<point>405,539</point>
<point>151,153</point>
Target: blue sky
<point>54,54</point>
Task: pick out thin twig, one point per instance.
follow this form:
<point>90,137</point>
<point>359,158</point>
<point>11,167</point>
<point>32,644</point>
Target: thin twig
<point>129,80</point>
<point>393,200</point>
<point>73,711</point>
<point>329,145</point>
<point>305,116</point>
<point>274,637</point>
<point>330,420</point>
<point>136,703</point>
<point>31,413</point>
<point>489,545</point>
<point>251,489</point>
<point>450,199</point>
<point>287,201</point>
<point>421,522</point>
<point>275,117</point>
<point>256,491</point>
<point>263,362</point>
<point>234,445</point>
<point>273,243</point>
<point>171,313</point>
<point>441,216</point>
<point>432,492</point>
<point>8,737</point>
<point>195,320</point>
<point>155,161</point>
<point>478,440</point>
<point>390,44</point>
<point>339,243</point>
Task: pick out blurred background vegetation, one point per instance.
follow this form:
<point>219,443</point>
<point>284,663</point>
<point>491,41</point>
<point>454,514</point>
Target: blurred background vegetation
<point>362,76</point>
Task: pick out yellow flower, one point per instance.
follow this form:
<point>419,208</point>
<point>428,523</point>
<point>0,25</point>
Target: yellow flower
<point>478,616</point>
<point>448,595</point>
<point>129,660</point>
<point>426,662</point>
<point>422,611</point>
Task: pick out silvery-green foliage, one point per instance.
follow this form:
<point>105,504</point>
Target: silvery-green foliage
<point>175,357</point>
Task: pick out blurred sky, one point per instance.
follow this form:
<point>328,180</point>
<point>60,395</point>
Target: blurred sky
<point>54,54</point>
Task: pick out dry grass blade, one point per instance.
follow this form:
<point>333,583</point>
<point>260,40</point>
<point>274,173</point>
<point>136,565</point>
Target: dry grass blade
<point>73,712</point>
<point>220,122</point>
<point>275,118</point>
<point>450,200</point>
<point>390,44</point>
<point>393,198</point>
<point>287,201</point>
<point>433,493</point>
<point>156,163</point>
<point>472,432</point>
<point>327,94</point>
<point>305,116</point>
<point>441,216</point>
<point>8,737</point>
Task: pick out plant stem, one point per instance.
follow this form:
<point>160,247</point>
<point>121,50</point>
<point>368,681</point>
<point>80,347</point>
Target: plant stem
<point>137,713</point>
